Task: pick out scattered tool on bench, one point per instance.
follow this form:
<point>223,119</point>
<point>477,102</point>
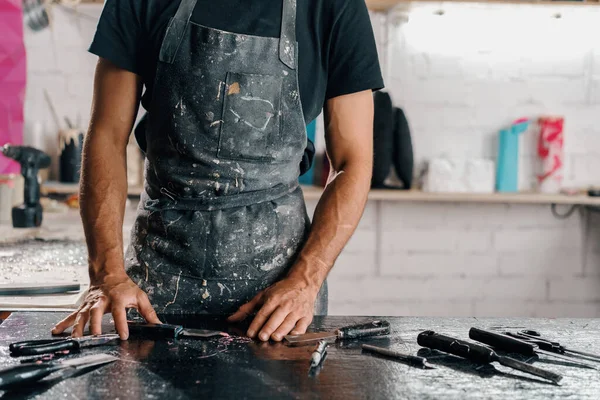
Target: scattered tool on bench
<point>25,374</point>
<point>554,347</point>
<point>374,328</point>
<point>319,355</point>
<point>479,354</point>
<point>415,361</point>
<point>510,344</point>
<point>37,347</point>
<point>166,331</point>
<point>39,289</point>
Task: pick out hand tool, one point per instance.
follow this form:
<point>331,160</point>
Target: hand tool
<point>415,361</point>
<point>166,331</point>
<point>479,354</point>
<point>24,374</point>
<point>38,289</point>
<point>374,328</point>
<point>513,345</point>
<point>319,354</point>
<point>548,345</point>
<point>37,347</point>
<point>28,214</point>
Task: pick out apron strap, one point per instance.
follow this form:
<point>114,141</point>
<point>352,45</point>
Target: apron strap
<point>176,30</point>
<point>287,41</point>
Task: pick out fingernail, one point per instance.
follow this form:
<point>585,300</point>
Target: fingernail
<point>250,334</point>
<point>264,337</point>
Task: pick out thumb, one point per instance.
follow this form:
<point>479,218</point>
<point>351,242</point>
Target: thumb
<point>146,309</point>
<point>246,309</point>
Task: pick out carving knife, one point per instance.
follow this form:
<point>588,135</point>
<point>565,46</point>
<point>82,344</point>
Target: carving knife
<point>518,346</point>
<point>166,331</point>
<point>26,374</point>
<point>38,289</point>
<point>480,354</point>
<point>374,328</point>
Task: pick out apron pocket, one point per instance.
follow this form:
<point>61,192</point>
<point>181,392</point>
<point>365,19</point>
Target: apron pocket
<point>251,117</point>
<point>245,244</point>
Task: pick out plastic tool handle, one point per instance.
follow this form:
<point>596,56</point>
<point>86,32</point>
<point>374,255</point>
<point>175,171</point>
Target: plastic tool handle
<point>23,374</point>
<point>375,328</point>
<point>414,360</point>
<point>503,342</point>
<point>37,347</point>
<point>447,344</point>
<point>154,331</point>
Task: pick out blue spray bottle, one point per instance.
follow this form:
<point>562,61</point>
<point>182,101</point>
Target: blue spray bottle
<point>507,176</point>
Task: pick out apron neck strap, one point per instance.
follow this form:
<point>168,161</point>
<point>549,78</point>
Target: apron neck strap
<point>176,30</point>
<point>179,23</point>
<point>287,41</point>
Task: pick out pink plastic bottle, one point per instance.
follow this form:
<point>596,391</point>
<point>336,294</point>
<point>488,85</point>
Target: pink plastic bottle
<point>551,153</point>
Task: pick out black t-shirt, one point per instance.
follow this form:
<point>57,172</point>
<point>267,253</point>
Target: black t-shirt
<point>337,53</point>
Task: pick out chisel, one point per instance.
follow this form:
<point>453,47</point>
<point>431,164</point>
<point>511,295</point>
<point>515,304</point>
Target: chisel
<point>513,345</point>
<point>374,328</point>
<point>167,331</point>
<point>415,361</point>
<point>479,354</point>
<point>554,347</point>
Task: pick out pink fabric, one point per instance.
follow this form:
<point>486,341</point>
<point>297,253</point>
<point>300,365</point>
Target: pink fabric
<point>12,78</point>
<point>551,152</point>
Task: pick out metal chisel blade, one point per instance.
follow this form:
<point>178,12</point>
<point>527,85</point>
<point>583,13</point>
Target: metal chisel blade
<point>202,333</point>
<point>568,359</point>
<point>530,369</point>
<point>329,337</point>
<point>89,361</point>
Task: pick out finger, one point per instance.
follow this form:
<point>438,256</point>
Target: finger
<point>275,320</point>
<point>146,309</point>
<point>246,309</point>
<point>285,327</point>
<point>302,326</point>
<point>120,317</point>
<point>64,324</point>
<point>261,317</point>
<point>80,321</point>
<point>96,314</point>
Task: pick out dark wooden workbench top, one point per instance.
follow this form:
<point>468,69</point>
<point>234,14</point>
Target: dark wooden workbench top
<point>218,369</point>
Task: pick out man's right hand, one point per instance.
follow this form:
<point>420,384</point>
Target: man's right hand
<point>115,294</point>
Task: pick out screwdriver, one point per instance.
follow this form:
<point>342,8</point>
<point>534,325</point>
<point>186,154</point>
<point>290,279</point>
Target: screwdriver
<point>479,354</point>
<point>513,345</point>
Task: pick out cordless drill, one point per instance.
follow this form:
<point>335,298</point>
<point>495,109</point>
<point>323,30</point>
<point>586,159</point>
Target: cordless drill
<point>29,214</point>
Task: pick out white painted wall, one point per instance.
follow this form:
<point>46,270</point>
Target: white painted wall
<point>433,259</point>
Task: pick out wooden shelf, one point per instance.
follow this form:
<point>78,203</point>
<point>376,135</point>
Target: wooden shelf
<point>314,193</point>
<point>386,5</point>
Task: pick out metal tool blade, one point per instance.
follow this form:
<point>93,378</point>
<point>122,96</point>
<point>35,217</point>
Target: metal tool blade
<point>99,340</point>
<point>591,356</point>
<point>329,337</point>
<point>530,369</point>
<point>89,361</point>
<point>568,359</point>
<point>202,333</point>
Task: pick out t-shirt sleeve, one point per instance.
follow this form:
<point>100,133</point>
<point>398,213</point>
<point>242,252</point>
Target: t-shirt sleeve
<point>118,34</point>
<point>353,60</point>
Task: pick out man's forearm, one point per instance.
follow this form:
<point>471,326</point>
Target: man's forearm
<point>336,217</point>
<point>102,199</point>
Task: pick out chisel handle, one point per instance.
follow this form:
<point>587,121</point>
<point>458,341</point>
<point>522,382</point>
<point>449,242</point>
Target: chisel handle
<point>25,374</point>
<point>457,347</point>
<point>154,331</point>
<point>374,328</point>
<point>503,342</point>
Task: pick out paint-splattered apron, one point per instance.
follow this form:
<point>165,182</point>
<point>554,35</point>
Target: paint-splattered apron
<point>222,216</point>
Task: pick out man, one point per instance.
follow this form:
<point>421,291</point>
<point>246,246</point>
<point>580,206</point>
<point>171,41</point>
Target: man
<point>222,226</point>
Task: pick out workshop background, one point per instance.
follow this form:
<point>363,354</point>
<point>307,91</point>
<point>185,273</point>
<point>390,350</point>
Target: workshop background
<point>461,73</point>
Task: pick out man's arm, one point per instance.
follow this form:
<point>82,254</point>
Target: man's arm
<point>288,305</point>
<point>103,195</point>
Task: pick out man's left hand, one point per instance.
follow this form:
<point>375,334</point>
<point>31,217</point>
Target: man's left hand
<point>285,307</point>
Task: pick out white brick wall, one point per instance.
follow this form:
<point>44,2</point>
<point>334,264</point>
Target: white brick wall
<point>431,259</point>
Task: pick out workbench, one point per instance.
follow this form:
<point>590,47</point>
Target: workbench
<point>242,369</point>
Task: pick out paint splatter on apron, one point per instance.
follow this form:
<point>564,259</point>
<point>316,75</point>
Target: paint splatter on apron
<point>222,216</point>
